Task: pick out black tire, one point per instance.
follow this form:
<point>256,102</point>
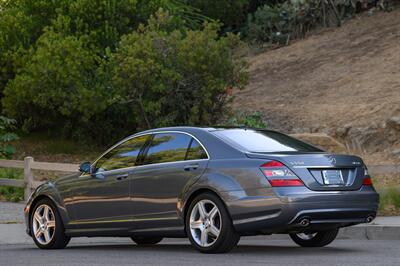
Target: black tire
<point>228,237</point>
<point>143,241</point>
<point>320,239</point>
<point>59,240</point>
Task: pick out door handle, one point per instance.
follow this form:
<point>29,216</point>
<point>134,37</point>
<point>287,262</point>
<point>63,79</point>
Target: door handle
<point>121,177</point>
<point>191,167</point>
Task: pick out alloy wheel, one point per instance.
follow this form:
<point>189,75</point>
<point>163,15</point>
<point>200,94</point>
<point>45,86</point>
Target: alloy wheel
<point>205,223</point>
<point>306,236</point>
<point>43,224</point>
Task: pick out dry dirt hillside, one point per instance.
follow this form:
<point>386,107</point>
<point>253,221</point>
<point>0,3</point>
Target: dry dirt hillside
<point>342,81</point>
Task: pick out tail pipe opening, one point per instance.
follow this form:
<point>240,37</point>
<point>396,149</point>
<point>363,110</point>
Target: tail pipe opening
<point>305,222</point>
<point>370,219</point>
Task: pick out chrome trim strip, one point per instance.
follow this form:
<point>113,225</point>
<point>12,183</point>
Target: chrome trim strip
<point>123,220</point>
<point>317,166</point>
<point>328,211</point>
<point>155,229</point>
<point>256,219</point>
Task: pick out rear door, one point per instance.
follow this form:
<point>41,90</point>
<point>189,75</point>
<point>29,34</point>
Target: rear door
<point>172,162</point>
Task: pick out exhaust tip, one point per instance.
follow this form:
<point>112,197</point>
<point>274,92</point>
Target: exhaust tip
<point>370,219</point>
<point>305,222</point>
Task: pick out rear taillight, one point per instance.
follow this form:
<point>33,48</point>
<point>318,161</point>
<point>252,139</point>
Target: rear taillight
<point>286,182</point>
<point>279,175</point>
<point>367,181</point>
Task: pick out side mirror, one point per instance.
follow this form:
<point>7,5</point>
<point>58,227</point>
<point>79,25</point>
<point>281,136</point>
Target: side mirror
<point>85,168</point>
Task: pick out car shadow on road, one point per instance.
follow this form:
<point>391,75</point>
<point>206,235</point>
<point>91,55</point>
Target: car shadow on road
<point>248,249</point>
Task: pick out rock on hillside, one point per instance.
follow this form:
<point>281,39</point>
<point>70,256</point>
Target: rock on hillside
<point>342,81</point>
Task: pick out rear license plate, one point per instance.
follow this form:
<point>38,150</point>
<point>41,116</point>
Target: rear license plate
<point>333,177</point>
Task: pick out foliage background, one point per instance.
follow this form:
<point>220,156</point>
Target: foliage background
<point>97,70</point>
<point>100,69</point>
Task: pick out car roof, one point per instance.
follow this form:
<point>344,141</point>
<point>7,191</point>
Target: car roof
<point>191,129</point>
<point>215,146</point>
<point>178,128</point>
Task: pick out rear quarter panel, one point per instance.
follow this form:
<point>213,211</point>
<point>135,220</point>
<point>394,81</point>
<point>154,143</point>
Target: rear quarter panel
<point>240,184</point>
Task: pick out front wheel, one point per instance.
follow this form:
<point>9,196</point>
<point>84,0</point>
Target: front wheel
<point>314,239</point>
<point>209,225</point>
<point>46,226</point>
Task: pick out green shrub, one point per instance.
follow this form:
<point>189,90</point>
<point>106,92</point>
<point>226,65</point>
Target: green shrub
<point>232,13</point>
<point>389,199</point>
<point>278,23</point>
<point>99,24</point>
<point>58,87</point>
<point>176,77</point>
<point>11,193</point>
<point>246,118</point>
<point>7,126</point>
<point>158,75</point>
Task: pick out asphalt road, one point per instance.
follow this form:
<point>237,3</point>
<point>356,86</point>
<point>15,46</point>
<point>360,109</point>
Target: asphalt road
<point>179,252</point>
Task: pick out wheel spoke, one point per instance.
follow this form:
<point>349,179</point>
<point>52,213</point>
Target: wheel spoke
<point>37,217</point>
<point>204,238</point>
<point>213,212</point>
<point>38,233</point>
<point>46,213</point>
<point>202,210</point>
<point>51,224</point>
<point>46,235</point>
<point>214,230</point>
<point>196,224</point>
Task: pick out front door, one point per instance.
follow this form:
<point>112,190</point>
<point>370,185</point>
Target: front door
<point>102,199</point>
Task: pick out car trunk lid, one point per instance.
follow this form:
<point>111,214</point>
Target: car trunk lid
<point>321,171</point>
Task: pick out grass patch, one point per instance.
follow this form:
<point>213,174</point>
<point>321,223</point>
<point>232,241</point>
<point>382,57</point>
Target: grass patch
<point>11,193</point>
<point>389,201</point>
<point>388,187</point>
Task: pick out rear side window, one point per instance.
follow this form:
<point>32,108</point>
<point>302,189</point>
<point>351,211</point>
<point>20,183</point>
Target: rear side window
<point>122,156</point>
<point>167,147</point>
<point>264,141</point>
<point>196,151</point>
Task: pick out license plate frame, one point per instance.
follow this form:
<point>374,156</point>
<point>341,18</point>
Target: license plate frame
<point>333,177</point>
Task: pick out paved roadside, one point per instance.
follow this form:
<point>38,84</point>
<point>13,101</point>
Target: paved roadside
<point>11,212</point>
<point>179,252</point>
<point>12,229</point>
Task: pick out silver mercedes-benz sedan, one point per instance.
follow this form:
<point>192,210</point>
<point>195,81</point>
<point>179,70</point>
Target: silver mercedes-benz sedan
<point>212,185</point>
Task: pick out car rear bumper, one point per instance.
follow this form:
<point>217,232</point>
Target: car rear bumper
<point>298,209</point>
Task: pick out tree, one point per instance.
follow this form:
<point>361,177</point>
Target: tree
<point>98,23</point>
<point>58,87</point>
<point>232,13</point>
<point>175,77</point>
<point>83,84</point>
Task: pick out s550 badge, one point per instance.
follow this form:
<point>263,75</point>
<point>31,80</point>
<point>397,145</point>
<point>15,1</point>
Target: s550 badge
<point>297,163</point>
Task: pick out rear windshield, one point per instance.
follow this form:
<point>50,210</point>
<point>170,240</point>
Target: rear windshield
<point>264,141</point>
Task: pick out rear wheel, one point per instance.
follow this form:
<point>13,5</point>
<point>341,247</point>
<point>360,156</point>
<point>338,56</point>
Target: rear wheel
<point>47,229</point>
<point>146,240</point>
<point>209,225</point>
<point>314,239</point>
